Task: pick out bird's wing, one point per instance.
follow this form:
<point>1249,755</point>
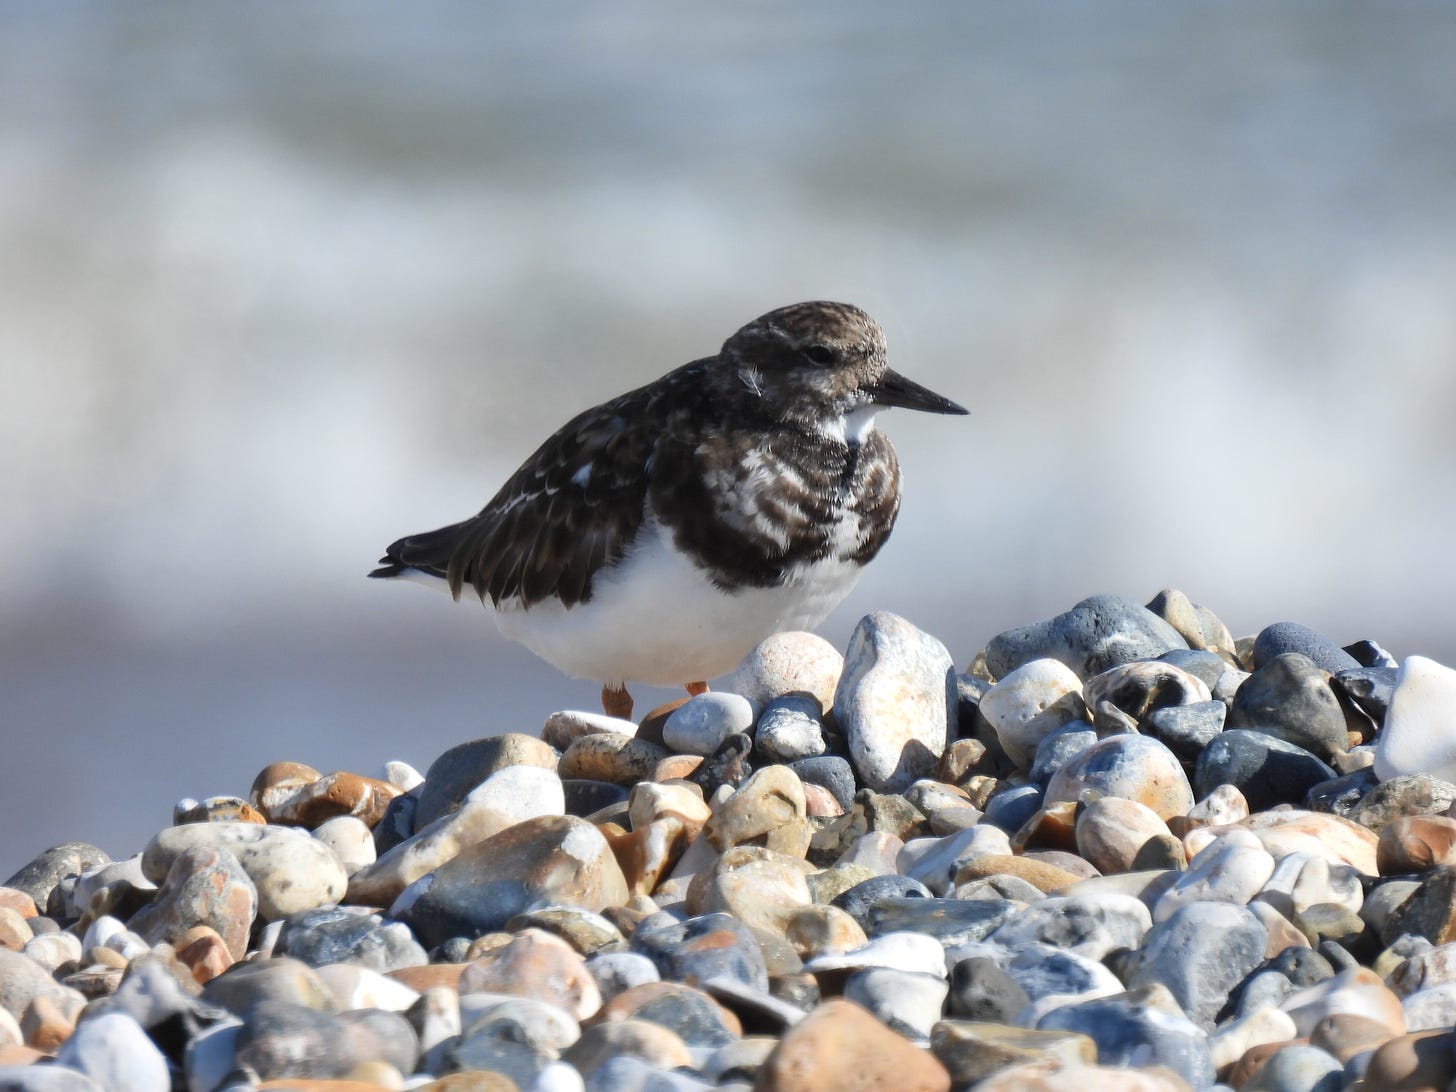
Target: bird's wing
<point>571,508</point>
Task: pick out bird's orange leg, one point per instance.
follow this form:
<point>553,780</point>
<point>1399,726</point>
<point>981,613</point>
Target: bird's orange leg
<point>696,688</point>
<point>616,702</point>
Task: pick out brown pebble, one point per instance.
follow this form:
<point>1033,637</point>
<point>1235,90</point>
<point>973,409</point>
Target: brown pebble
<point>1253,1060</point>
<point>1413,1063</point>
<point>1042,876</point>
<point>840,1046</point>
<point>18,901</point>
<point>675,767</point>
<point>650,727</point>
<point>429,976</point>
<point>203,952</point>
<point>1415,843</point>
<point>44,1025</point>
<point>14,930</point>
<point>277,781</point>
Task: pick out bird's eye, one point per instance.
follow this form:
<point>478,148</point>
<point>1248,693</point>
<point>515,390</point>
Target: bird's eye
<point>820,354</point>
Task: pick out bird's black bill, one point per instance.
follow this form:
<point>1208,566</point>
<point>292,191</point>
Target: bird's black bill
<point>895,390</point>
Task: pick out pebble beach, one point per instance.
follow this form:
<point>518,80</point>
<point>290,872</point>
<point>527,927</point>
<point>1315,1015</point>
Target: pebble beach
<point>1115,849</point>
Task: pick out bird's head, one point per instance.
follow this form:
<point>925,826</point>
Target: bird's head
<point>822,365</point>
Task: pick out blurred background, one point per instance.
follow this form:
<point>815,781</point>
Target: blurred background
<point>281,282</point>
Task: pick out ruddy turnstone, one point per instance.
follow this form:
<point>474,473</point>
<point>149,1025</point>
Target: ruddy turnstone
<point>658,537</point>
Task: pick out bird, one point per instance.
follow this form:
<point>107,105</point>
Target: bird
<point>659,537</point>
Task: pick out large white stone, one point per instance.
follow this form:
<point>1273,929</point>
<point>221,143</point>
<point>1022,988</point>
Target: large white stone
<point>1419,734</point>
<point>1029,704</point>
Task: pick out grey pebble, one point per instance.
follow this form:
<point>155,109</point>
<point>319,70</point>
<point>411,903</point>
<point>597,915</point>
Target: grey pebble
<point>1266,770</point>
<point>114,1051</point>
<point>282,1039</point>
<point>1130,1030</point>
<point>350,934</point>
<point>828,772</point>
<point>1208,666</point>
<point>789,729</point>
<point>1298,1067</point>
<point>585,797</point>
<point>1341,795</point>
<point>907,1001</point>
<point>981,990</point>
<point>701,724</point>
<point>1187,729</point>
<point>1284,637</point>
<point>670,945</point>
<point>1288,698</point>
<point>858,900</point>
<point>1011,808</point>
<point>953,922</point>
<point>1200,954</point>
<point>42,874</point>
<point>1058,748</point>
<point>1098,633</point>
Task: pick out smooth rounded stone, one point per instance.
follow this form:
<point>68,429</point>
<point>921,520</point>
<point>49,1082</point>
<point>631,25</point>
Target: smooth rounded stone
<point>1011,888</point>
<point>1265,769</point>
<point>520,793</point>
<point>550,860</point>
<point>281,1039</point>
<point>1097,634</point>
<point>981,990</point>
<point>617,972</point>
<point>50,950</point>
<point>1356,992</point>
<point>691,1014</point>
<point>118,888</point>
<point>1383,901</point>
<point>641,1039</point>
<point>701,724</point>
<point>1187,729</point>
<point>702,949</point>
<point>1419,733</point>
<point>1341,795</point>
<point>906,1001</point>
<point>1232,869</point>
<point>1132,767</point>
<point>1429,911</point>
<point>507,1065</point>
<point>278,979</point>
<point>1290,699</point>
<point>1142,687</point>
<point>397,823</point>
<point>1200,953</point>
<point>858,900</point>
<point>565,727</point>
<point>22,980</point>
<point>791,662</point>
<point>1141,1027</point>
<point>1433,1007</point>
<point>114,1051</point>
<point>585,930</point>
<point>354,987</point>
<point>1090,925</point>
<point>584,797</point>
<point>1045,877</point>
<point>207,1061</point>
<point>290,870</point>
<point>789,729</point>
<point>1369,688</point>
<point>1050,976</point>
<point>759,887</point>
<point>1297,1068</point>
<point>20,1075</point>
<point>1285,637</point>
<point>536,965</point>
<point>841,1046</point>
<point>351,840</point>
<point>1200,663</point>
<point>40,876</point>
<point>1060,1077</point>
<point>952,922</point>
<point>1418,1061</point>
<point>608,756</point>
<point>1199,626</point>
<point>1058,748</point>
<point>1235,1038</point>
<point>1302,881</point>
<point>1228,685</point>
<point>1223,806</point>
<point>1403,795</point>
<point>537,1024</point>
<point>401,775</point>
<point>1288,830</point>
<point>972,1050</point>
<point>627,1073</point>
<point>1029,704</point>
<point>1009,809</point>
<point>769,805</point>
<point>816,929</point>
<point>873,853</point>
<point>935,861</point>
<point>205,885</point>
<point>895,701</point>
<point>901,951</point>
<point>349,934</point>
<point>453,775</point>
<point>1111,831</point>
<point>313,802</point>
<point>370,1037</point>
<point>828,771</point>
<point>380,883</point>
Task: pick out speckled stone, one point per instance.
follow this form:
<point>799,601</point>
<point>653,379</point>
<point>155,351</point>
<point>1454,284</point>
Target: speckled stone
<point>547,860</point>
<point>787,663</point>
<point>40,876</point>
<point>349,934</point>
<point>895,701</point>
<point>1141,1027</point>
<point>1098,633</point>
<point>351,840</point>
<point>1200,953</point>
<point>790,729</point>
<point>205,885</point>
<point>702,949</point>
<point>1136,768</point>
<point>1282,637</point>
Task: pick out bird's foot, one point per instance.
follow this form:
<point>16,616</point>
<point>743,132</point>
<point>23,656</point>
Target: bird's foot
<point>616,702</point>
<point>696,688</point>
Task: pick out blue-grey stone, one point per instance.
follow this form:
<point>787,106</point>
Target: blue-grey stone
<point>1207,666</point>
<point>1264,989</point>
<point>1187,729</point>
<point>378,1035</point>
<point>455,773</point>
<point>1370,654</point>
<point>1200,953</point>
<point>828,772</point>
<point>1284,637</point>
<point>628,1073</point>
<point>1130,1031</point>
<point>1340,795</point>
<point>1043,971</point>
<point>789,729</point>
<point>1013,807</point>
<point>341,934</point>
<point>1091,925</point>
<point>114,1051</point>
<point>1288,698</point>
<point>585,797</point>
<point>396,824</point>
<point>1096,634</point>
<point>860,899</point>
<point>1060,747</point>
<point>953,922</point>
<point>45,872</point>
<point>981,990</point>
<point>282,1039</point>
<point>1369,688</point>
<point>1401,796</point>
<point>616,972</point>
<point>701,724</point>
<point>1266,770</point>
<point>1297,1067</point>
<point>682,953</point>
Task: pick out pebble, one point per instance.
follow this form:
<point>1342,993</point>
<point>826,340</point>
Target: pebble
<point>1419,732</point>
<point>1012,895</point>
<point>1097,634</point>
<point>1282,637</point>
<point>114,1051</point>
<point>895,701</point>
<point>701,724</point>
